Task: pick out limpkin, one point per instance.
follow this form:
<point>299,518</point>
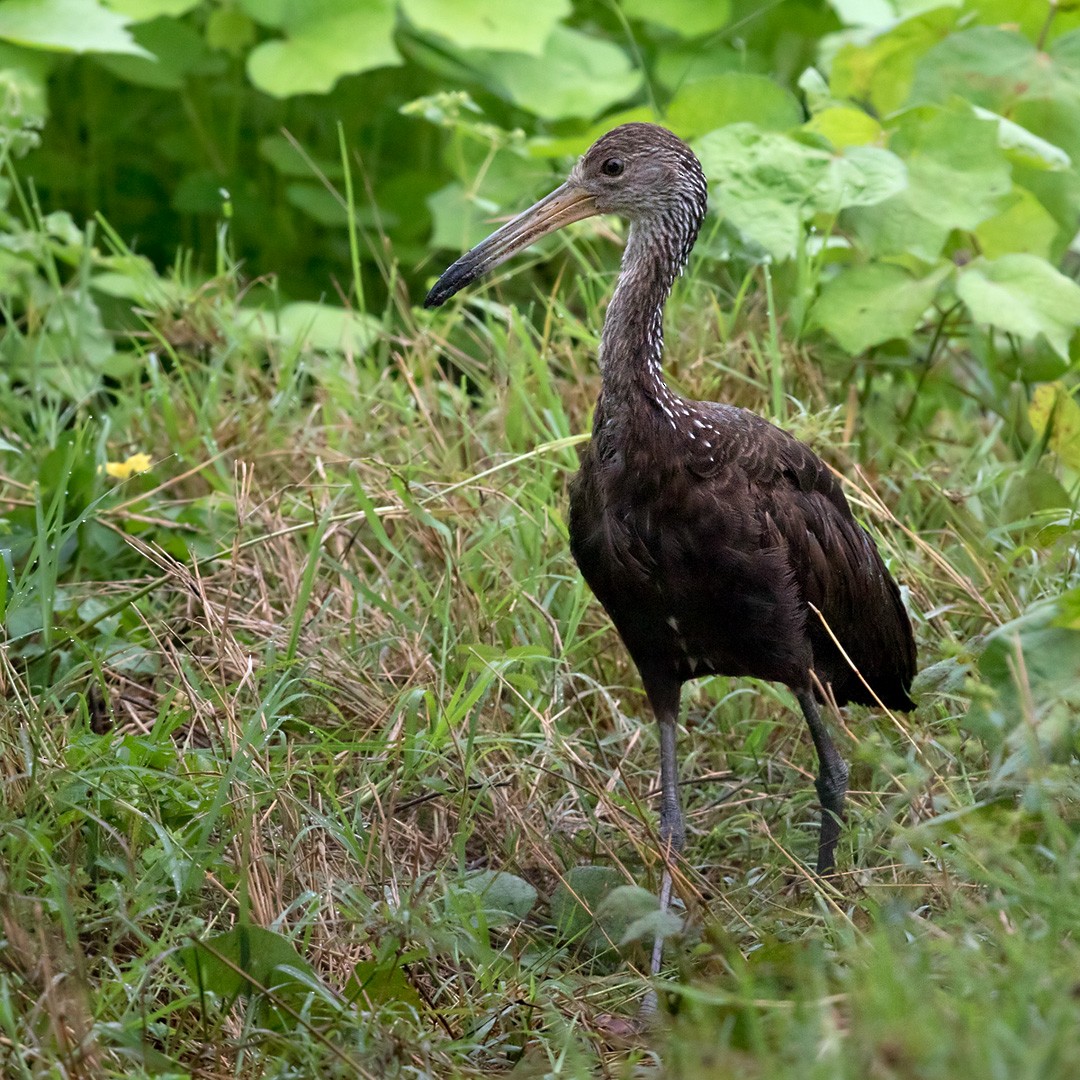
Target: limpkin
<point>718,543</point>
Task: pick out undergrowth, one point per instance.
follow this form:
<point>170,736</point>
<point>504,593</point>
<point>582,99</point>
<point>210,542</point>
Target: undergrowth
<point>319,759</point>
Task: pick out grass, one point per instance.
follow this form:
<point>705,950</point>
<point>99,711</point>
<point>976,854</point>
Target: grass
<point>327,671</point>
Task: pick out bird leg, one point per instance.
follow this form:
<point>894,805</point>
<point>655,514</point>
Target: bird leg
<point>672,827</point>
<point>831,784</point>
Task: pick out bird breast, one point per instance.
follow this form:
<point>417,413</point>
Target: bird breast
<point>684,564</point>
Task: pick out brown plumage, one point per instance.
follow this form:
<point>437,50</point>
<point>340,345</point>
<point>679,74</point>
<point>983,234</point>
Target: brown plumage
<point>708,534</point>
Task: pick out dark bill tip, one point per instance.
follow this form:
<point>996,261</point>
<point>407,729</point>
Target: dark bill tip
<point>565,204</point>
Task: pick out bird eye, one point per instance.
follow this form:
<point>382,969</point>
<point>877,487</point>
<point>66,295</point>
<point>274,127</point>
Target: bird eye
<point>612,167</point>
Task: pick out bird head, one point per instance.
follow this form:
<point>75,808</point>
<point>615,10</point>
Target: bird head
<point>640,171</point>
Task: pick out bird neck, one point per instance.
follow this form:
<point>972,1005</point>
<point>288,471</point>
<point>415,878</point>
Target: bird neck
<point>632,341</point>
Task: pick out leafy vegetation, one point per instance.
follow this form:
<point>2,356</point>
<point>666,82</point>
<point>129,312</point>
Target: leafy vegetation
<point>317,756</point>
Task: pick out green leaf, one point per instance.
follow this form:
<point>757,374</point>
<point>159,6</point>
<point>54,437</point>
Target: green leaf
<point>269,12</point>
<point>79,26</point>
<point>325,39</point>
<point>267,958</point>
<point>576,75</point>
<point>882,71</point>
<point>480,24</point>
<point>860,176</point>
<point>575,145</point>
<point>1031,665</point>
<point>958,177</point>
<point>1022,225</point>
<point>957,171</point>
<point>1024,147</point>
<point>290,161</point>
<point>230,30</point>
<point>320,327</point>
<point>24,75</point>
<point>690,18</point>
<point>176,52</point>
<point>679,63</point>
<point>730,98</point>
<point>1036,492</point>
<point>630,913</point>
<point>868,305</point>
<point>1022,295</point>
<point>577,899</point>
<point>770,185</point>
<point>144,10</point>
<point>1054,410</point>
<point>382,983</point>
<point>984,65</point>
<point>504,897</point>
<point>844,125</point>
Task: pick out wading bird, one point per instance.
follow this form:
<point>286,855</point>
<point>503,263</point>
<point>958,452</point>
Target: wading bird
<point>718,543</point>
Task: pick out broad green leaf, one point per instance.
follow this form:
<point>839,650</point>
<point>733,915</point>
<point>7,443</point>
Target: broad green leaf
<point>504,897</point>
<point>984,65</point>
<point>133,277</point>
<point>323,42</point>
<point>67,354</point>
<point>381,983</point>
<point>957,171</point>
<point>1023,146</point>
<point>269,959</point>
<point>882,14</point>
<point>895,227</point>
<point>860,176</point>
<point>650,926</point>
<point>230,30</point>
<point>1056,120</point>
<point>576,75</point>
<point>882,71</point>
<point>459,222</point>
<point>573,145</point>
<point>762,184</point>
<point>144,10</point>
<point>630,913</point>
<point>1036,492</point>
<point>319,204</point>
<point>24,107</point>
<point>1032,667</point>
<point>463,215</point>
<point>1022,225</point>
<point>290,161</point>
<point>269,12</point>
<point>578,897</point>
<point>844,125</point>
<point>868,305</point>
<point>874,14</point>
<point>480,24</point>
<point>770,185</point>
<point>79,26</point>
<point>1030,19</point>
<point>1053,408</point>
<point>177,52</point>
<point>320,327</point>
<point>679,63</point>
<point>958,177</point>
<point>1022,295</point>
<point>730,98</point>
<point>1069,610</point>
<point>690,18</point>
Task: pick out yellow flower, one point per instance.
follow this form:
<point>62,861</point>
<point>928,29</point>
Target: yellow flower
<point>121,470</point>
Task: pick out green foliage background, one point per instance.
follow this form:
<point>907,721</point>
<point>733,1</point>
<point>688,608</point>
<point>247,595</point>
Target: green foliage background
<point>313,744</point>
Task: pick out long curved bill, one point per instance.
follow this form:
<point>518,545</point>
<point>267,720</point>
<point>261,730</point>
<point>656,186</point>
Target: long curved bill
<point>566,203</point>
